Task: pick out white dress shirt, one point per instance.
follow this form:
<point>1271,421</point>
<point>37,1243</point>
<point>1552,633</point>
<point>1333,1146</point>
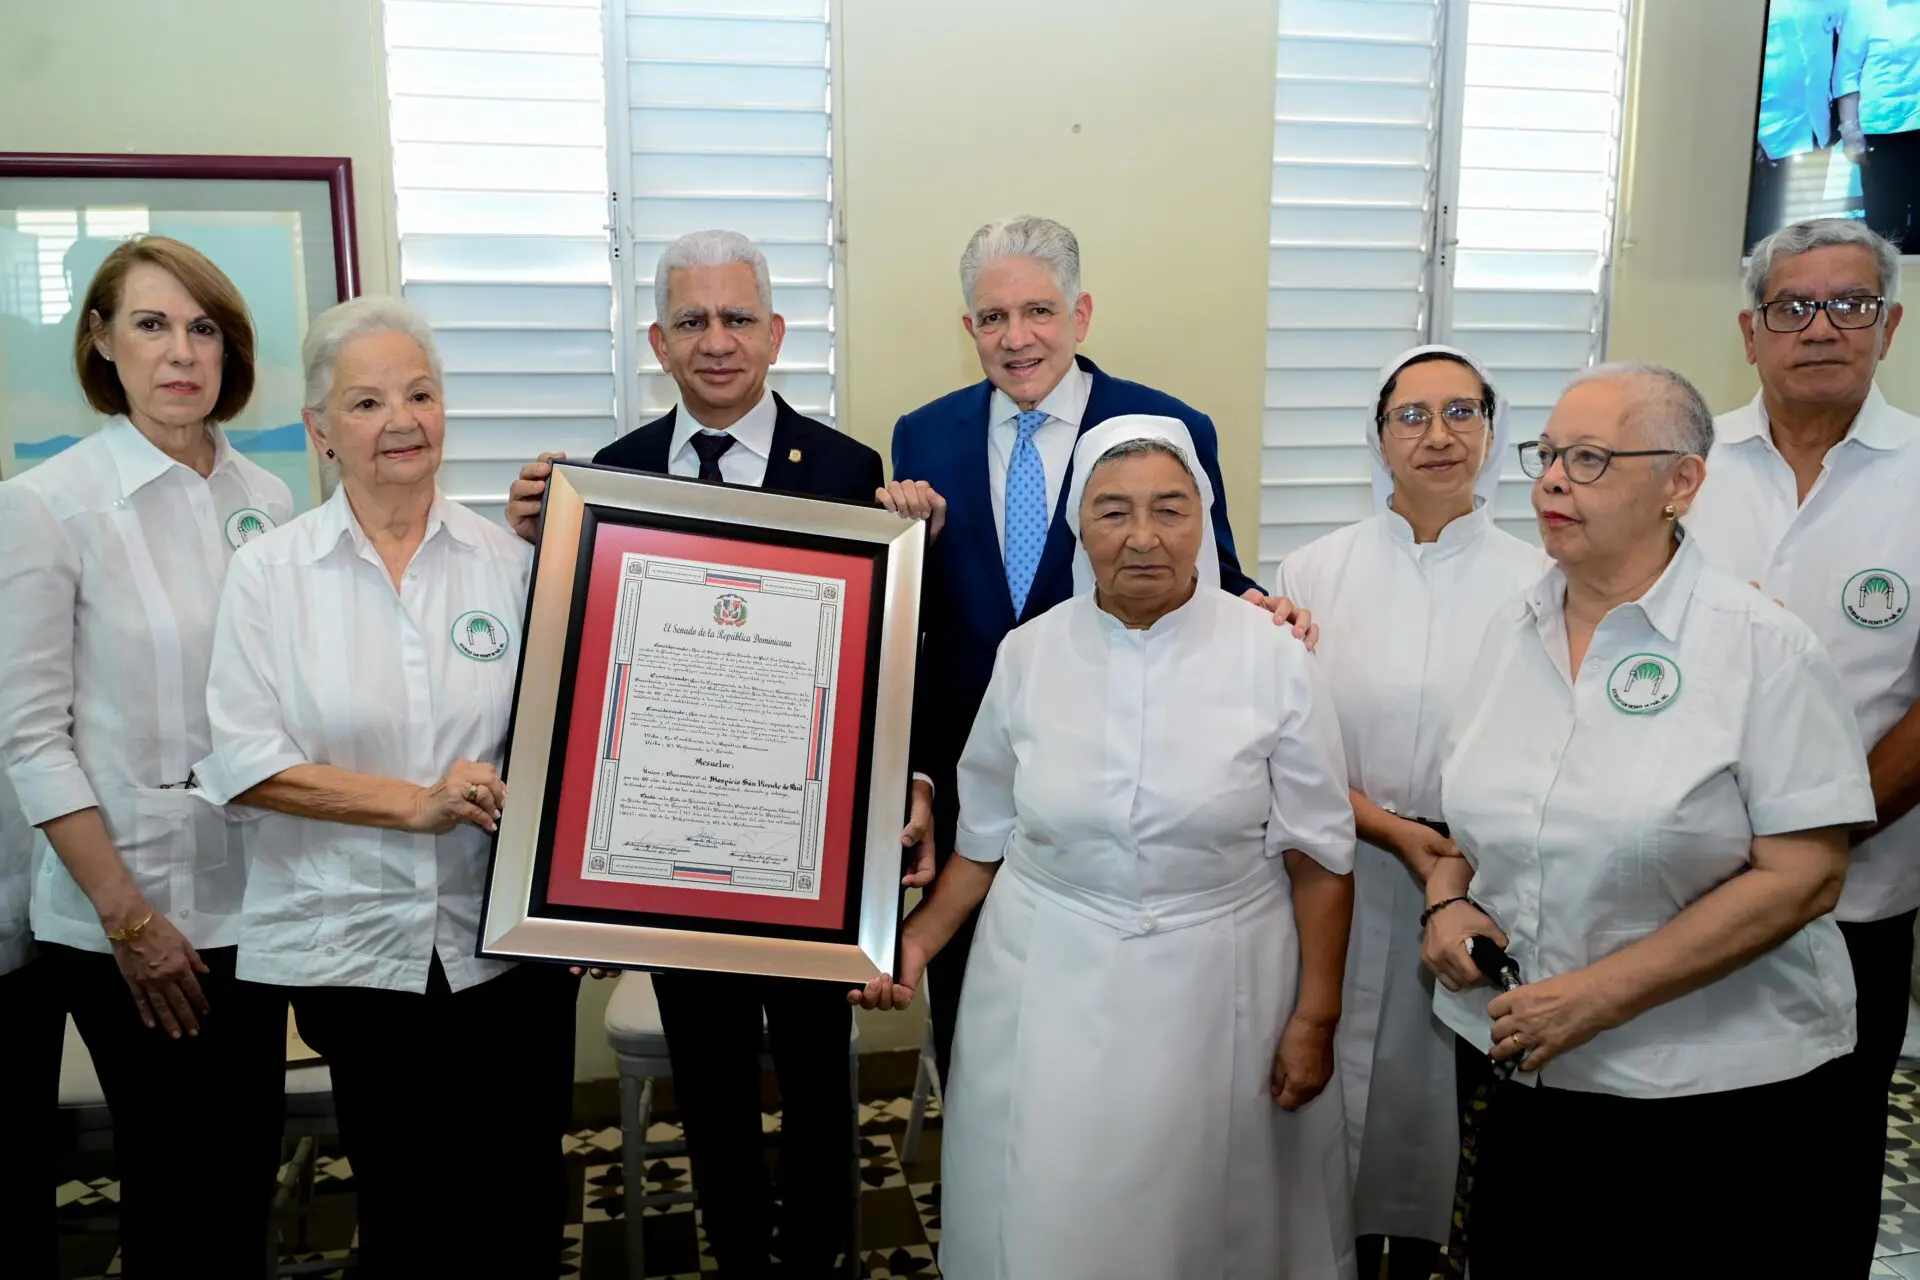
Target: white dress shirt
<point>1880,60</point>
<point>1796,88</point>
<point>745,463</point>
<point>1861,520</point>
<point>1597,804</point>
<point>110,578</point>
<point>319,660</point>
<point>1064,406</point>
<point>17,838</point>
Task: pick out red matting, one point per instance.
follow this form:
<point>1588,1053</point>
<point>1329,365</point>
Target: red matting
<point>565,884</point>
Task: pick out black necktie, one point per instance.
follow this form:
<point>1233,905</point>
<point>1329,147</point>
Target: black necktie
<point>710,448</point>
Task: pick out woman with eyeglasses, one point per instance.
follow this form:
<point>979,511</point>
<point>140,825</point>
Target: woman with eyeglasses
<point>1403,598</point>
<point>1652,776</point>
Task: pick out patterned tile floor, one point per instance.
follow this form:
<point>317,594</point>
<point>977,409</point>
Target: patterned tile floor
<point>900,1204</point>
<point>900,1209</point>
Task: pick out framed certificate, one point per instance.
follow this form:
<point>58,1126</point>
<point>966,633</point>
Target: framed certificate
<point>707,762</point>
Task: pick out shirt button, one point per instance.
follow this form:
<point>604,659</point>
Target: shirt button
<point>1148,924</point>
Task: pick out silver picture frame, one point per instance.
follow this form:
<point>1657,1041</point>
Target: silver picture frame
<point>514,926</point>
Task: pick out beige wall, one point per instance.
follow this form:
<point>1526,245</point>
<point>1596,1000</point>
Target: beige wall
<point>216,77</point>
<point>1683,201</point>
<point>1152,139</point>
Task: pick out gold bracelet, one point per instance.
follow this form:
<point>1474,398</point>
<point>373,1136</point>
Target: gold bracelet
<point>128,935</point>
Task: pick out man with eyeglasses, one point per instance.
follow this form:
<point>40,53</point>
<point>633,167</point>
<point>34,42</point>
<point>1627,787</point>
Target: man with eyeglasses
<point>1813,495</point>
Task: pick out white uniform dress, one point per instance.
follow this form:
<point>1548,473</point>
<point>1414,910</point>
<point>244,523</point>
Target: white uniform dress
<point>1596,803</point>
<point>1843,561</point>
<point>1400,624</point>
<point>1109,1116</point>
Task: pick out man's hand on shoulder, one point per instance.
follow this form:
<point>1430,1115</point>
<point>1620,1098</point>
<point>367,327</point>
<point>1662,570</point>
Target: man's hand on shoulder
<point>1285,611</point>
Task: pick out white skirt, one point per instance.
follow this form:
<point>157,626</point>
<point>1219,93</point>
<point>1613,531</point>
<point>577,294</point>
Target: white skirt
<point>1396,1062</point>
<point>1109,1116</point>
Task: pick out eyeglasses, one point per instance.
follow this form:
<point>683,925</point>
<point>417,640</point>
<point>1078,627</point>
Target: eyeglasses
<point>1791,315</point>
<point>1410,421</point>
<point>1583,463</point>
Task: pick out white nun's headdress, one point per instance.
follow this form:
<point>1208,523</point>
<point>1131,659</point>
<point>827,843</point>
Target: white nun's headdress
<point>1112,433</point>
<point>1488,480</point>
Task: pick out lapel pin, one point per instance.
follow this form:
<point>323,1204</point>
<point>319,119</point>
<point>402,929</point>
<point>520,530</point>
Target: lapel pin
<point>793,455</point>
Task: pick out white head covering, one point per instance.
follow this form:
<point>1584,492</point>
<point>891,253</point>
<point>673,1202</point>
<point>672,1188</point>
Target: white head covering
<point>1488,480</point>
<point>1124,430</point>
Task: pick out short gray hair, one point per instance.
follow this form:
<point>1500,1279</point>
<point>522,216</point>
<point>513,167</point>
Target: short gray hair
<point>1821,233</point>
<point>1667,410</point>
<point>710,249</point>
<point>1045,241</point>
<point>335,327</point>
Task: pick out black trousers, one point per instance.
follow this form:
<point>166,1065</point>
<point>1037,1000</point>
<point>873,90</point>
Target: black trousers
<point>1578,1185</point>
<point>948,971</point>
<point>452,1106</point>
<point>1882,955</point>
<point>1890,185</point>
<point>713,1026</point>
<point>29,1118</point>
<point>196,1121</point>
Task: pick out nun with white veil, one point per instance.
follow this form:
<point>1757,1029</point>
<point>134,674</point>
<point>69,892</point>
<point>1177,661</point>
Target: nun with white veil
<point>1154,792</point>
<point>1403,599</point>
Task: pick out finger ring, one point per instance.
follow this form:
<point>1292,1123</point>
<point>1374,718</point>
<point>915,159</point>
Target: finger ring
<point>1518,1043</point>
<point>473,792</point>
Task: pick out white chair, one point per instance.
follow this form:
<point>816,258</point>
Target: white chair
<point>926,1083</point>
<point>310,1117</point>
<point>640,1047</point>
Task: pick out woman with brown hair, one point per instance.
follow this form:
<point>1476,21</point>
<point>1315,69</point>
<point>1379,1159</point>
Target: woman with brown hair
<point>116,551</point>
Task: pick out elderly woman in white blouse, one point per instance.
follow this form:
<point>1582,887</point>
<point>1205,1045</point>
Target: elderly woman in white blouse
<point>363,676</point>
<point>1653,775</point>
<point>1404,597</point>
<point>111,559</point>
<point>1154,808</point>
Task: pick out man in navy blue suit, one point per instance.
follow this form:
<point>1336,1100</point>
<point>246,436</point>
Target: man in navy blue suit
<point>717,334</point>
<point>988,466</point>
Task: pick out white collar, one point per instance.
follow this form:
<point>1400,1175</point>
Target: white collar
<point>334,520</point>
<point>1664,604</point>
<point>754,431</point>
<point>1459,531</point>
<point>139,461</point>
<point>1877,425</point>
<point>1067,401</point>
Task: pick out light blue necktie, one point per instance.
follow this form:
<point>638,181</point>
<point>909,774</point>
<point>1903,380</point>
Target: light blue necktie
<point>1027,516</point>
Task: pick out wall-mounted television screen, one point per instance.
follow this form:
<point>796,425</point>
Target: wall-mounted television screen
<point>1839,121</point>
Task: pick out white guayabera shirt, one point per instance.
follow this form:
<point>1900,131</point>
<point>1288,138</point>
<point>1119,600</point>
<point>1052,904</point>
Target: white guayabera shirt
<point>112,557</point>
<point>1842,561</point>
<point>320,660</point>
<point>1596,804</point>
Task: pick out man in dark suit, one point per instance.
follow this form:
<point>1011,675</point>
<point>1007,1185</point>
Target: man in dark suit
<point>988,465</point>
<point>717,334</point>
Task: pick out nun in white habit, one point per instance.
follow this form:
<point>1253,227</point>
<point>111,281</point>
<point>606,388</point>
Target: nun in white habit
<point>1403,599</point>
<point>1155,795</point>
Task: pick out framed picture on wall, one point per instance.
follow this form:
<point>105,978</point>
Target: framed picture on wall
<point>281,227</point>
<point>707,764</point>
